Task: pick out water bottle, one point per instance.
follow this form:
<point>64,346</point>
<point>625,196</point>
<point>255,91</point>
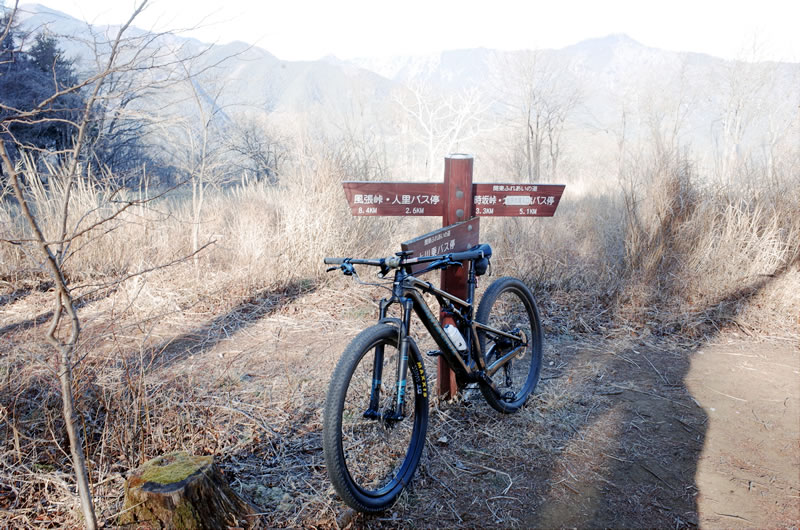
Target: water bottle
<point>456,337</point>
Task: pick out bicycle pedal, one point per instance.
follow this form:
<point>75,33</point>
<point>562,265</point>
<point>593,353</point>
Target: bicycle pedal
<point>433,353</point>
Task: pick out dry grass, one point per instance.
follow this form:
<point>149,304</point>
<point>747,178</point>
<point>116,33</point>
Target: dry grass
<point>691,252</point>
<point>232,356</point>
<point>698,256</point>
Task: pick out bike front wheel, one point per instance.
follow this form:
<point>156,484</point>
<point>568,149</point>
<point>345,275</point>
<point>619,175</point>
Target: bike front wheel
<point>508,306</point>
<point>371,451</point>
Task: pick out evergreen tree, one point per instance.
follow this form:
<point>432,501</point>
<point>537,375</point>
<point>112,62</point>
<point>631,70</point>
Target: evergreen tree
<point>28,81</point>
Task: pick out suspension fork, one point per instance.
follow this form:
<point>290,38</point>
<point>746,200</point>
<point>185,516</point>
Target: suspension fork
<point>402,365</point>
<point>377,373</point>
<point>373,411</point>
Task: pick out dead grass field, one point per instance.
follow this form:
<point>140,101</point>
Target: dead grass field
<point>625,429</point>
<point>646,414</point>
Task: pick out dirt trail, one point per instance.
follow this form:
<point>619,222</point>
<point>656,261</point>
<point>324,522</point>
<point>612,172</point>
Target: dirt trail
<point>622,431</point>
<point>749,470</point>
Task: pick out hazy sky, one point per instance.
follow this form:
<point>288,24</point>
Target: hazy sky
<point>310,29</point>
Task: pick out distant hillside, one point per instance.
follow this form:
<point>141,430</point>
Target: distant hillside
<point>621,83</point>
<point>613,71</point>
<point>253,77</point>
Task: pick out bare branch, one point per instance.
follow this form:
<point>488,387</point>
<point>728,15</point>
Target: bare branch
<point>10,20</point>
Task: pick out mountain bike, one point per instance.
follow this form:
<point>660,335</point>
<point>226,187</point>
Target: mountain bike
<point>375,421</point>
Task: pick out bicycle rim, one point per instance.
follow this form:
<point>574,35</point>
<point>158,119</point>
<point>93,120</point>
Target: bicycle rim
<point>380,454</point>
<point>511,311</point>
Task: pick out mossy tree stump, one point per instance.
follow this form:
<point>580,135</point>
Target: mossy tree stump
<point>181,491</point>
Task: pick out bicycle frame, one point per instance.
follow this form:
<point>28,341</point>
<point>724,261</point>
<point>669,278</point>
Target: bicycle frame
<point>471,367</point>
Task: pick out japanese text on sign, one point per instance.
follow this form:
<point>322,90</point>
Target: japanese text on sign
<point>425,198</point>
<point>436,237</point>
<point>360,198</point>
<point>441,248</point>
<point>435,244</point>
<point>516,200</point>
<point>394,198</point>
<point>453,238</point>
<point>514,187</point>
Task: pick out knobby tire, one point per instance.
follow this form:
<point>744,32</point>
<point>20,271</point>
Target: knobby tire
<point>370,461</point>
<point>508,305</point>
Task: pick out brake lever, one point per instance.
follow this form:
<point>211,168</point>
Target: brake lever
<point>346,268</point>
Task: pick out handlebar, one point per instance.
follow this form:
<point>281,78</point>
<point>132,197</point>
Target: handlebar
<point>393,262</point>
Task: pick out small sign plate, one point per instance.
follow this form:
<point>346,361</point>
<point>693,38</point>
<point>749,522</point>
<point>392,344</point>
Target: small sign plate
<point>516,200</point>
<point>395,198</point>
<point>454,238</point>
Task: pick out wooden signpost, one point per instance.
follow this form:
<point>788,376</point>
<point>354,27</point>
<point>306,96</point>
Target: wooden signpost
<point>453,238</point>
<point>460,203</point>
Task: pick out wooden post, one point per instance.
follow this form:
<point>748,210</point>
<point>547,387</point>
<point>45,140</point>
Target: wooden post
<point>457,208</point>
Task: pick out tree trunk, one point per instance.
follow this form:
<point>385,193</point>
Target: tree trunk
<point>64,302</point>
<point>181,491</point>
<point>75,439</point>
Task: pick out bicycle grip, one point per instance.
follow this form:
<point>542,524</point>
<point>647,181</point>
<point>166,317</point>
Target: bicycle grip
<point>476,252</point>
<point>333,261</point>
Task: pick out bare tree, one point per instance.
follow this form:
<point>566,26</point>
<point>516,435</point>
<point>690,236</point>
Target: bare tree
<point>360,141</point>
<point>668,111</point>
<point>54,252</point>
<point>558,111</point>
<point>130,106</point>
<point>781,142</point>
<point>541,97</point>
<point>196,141</point>
<point>745,88</point>
<point>54,246</point>
<point>261,150</point>
<point>440,123</point>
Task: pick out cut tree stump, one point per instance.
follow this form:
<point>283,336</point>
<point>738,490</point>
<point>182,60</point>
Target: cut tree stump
<point>181,491</point>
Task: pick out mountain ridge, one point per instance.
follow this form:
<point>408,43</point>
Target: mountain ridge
<point>617,76</point>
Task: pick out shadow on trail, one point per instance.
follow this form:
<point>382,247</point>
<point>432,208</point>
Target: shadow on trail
<point>19,294</point>
<point>146,402</point>
<point>648,474</point>
<point>43,317</point>
<point>611,438</point>
<point>208,335</point>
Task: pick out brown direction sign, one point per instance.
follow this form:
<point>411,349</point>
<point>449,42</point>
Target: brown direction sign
<point>395,198</point>
<point>426,198</point>
<point>516,200</point>
<point>454,238</point>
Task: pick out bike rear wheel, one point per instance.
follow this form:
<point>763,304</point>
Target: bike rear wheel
<point>371,456</point>
<point>508,305</point>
